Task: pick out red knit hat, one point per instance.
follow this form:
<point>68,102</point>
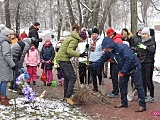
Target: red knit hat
<point>110,32</point>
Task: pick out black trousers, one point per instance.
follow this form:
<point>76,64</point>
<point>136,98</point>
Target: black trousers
<point>147,73</point>
<point>114,74</point>
<point>82,73</point>
<point>69,77</point>
<point>97,72</point>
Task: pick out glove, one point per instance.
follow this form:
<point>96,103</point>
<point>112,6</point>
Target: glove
<point>83,54</point>
<point>14,68</point>
<point>87,46</point>
<point>42,61</point>
<point>48,62</point>
<point>120,74</point>
<point>141,46</point>
<point>40,39</point>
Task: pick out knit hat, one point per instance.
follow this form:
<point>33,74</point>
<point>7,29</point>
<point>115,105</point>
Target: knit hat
<point>5,31</point>
<point>36,23</point>
<point>83,35</point>
<point>95,30</point>
<point>146,30</point>
<point>47,40</point>
<point>140,27</point>
<point>110,32</point>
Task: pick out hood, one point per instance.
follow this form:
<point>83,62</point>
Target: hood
<point>27,40</point>
<point>4,38</point>
<point>75,35</point>
<point>108,43</point>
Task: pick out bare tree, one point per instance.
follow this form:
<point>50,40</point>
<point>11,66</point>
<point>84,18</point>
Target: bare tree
<point>7,14</point>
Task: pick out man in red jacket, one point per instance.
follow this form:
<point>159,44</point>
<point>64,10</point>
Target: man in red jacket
<point>117,38</point>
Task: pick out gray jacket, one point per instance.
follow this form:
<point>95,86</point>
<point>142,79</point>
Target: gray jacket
<point>6,61</point>
<point>18,54</point>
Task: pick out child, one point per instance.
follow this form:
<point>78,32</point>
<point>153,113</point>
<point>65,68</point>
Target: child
<point>57,67</point>
<point>47,55</point>
<point>32,60</point>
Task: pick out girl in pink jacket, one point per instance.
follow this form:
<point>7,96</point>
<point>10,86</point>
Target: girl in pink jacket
<point>32,60</point>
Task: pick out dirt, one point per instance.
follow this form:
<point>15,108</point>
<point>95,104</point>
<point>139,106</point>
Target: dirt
<point>100,111</point>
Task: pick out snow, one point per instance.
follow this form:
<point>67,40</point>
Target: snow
<point>43,110</point>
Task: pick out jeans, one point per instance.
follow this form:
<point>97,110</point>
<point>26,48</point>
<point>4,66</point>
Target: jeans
<point>3,87</point>
<point>69,78</point>
<point>16,74</point>
<point>137,81</point>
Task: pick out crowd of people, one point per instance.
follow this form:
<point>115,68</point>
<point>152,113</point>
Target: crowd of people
<point>131,58</point>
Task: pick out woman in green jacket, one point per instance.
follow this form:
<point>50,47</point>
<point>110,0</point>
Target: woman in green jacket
<point>65,53</point>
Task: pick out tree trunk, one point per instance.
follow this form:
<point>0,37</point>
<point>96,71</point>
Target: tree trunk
<point>18,18</point>
<point>60,21</point>
<point>133,7</point>
<point>80,14</point>
<point>95,13</point>
<point>51,14</point>
<point>7,14</point>
<point>71,16</point>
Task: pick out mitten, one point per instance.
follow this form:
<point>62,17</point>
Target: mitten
<point>82,54</point>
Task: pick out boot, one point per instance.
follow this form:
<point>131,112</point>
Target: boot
<point>70,101</point>
<point>5,97</point>
<point>5,102</point>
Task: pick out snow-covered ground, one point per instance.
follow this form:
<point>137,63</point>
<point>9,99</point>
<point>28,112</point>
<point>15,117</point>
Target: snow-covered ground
<point>44,110</point>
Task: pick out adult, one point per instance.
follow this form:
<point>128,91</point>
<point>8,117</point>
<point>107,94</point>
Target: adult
<point>147,49</point>
<point>95,54</point>
<point>19,50</point>
<point>23,35</point>
<point>128,65</point>
<point>117,38</point>
<point>65,53</point>
<point>33,32</point>
<point>6,62</point>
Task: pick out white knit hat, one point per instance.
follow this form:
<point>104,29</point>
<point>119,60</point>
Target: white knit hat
<point>146,30</point>
<point>5,31</point>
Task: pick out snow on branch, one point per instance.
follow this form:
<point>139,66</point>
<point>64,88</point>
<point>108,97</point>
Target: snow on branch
<point>86,6</point>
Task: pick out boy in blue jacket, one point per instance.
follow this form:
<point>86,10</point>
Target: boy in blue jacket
<point>128,65</point>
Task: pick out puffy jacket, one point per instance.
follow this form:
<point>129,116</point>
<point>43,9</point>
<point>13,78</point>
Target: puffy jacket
<point>68,48</point>
<point>47,53</point>
<point>117,38</point>
<point>32,58</point>
<point>147,55</point>
<point>121,54</point>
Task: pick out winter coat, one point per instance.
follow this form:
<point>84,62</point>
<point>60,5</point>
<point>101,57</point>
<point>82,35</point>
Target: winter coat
<point>68,47</point>
<point>33,32</point>
<point>23,35</point>
<point>122,55</point>
<point>32,58</point>
<point>147,55</point>
<point>19,50</point>
<point>47,53</point>
<point>135,40</point>
<point>6,61</point>
<point>97,53</point>
<point>117,38</point>
<point>128,38</point>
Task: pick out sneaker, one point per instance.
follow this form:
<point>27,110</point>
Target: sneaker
<point>34,83</point>
<point>112,95</point>
<point>28,83</point>
<point>95,89</point>
<point>152,99</point>
<point>70,101</point>
<point>10,90</point>
<point>14,90</point>
<point>110,77</point>
<point>109,93</point>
